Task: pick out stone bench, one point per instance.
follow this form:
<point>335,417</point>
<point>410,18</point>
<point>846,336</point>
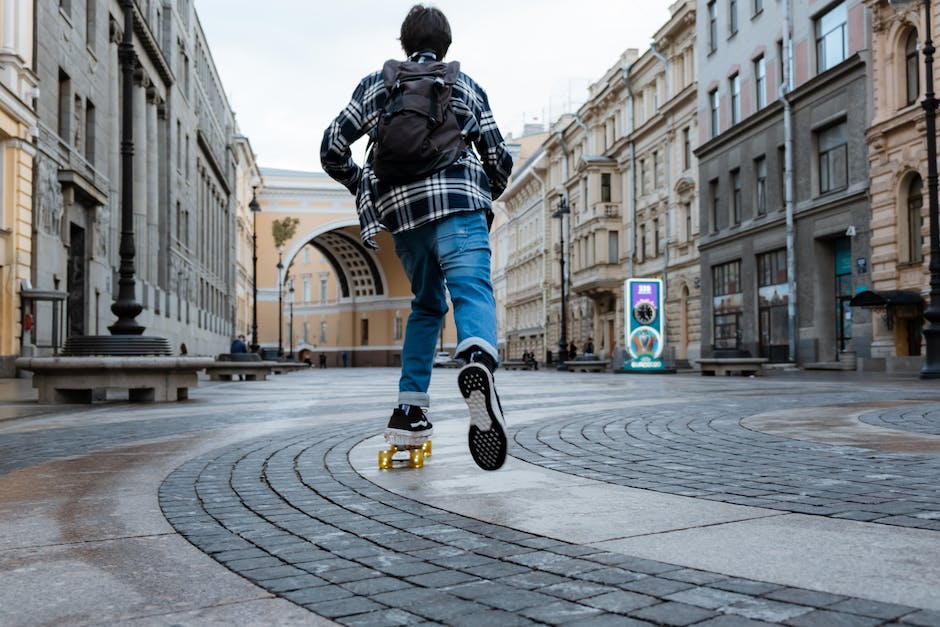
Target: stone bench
<point>712,366</point>
<point>87,379</point>
<point>222,370</point>
<point>587,365</point>
<point>518,364</point>
<point>282,367</point>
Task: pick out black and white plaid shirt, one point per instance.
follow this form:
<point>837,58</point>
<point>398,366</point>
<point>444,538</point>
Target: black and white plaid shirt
<point>470,184</point>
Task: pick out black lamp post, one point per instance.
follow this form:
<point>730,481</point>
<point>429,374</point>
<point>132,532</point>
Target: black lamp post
<point>563,340</point>
<point>255,208</point>
<point>280,305</point>
<point>290,329</point>
<point>931,369</point>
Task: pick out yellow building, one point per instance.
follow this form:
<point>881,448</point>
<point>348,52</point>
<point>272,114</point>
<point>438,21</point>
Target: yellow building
<point>347,300</point>
<point>17,125</point>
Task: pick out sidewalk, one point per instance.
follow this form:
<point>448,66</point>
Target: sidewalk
<point>800,499</point>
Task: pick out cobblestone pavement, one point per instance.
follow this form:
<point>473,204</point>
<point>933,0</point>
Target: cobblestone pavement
<point>283,506</point>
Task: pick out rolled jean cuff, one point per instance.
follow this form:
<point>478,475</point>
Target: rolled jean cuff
<point>478,341</point>
<point>419,399</point>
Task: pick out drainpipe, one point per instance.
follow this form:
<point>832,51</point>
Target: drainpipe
<point>631,118</point>
<point>656,53</point>
<point>785,89</point>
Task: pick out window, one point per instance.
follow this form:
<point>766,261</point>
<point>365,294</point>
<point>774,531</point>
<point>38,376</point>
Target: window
<point>655,237</point>
<point>655,169</point>
<point>712,26</point>
<point>686,148</point>
<point>90,132</point>
<point>65,105</point>
<point>915,205</point>
<point>760,82</point>
<point>605,187</point>
<point>323,294</point>
<point>772,298</point>
<point>644,188</point>
<point>757,7</point>
<point>912,68</point>
<point>732,17</point>
<point>713,197</point>
<point>713,112</point>
<point>322,331</point>
<point>66,7</point>
<point>727,305</point>
<point>831,38</point>
<point>735,196</point>
<point>613,247</point>
<point>641,256</point>
<point>688,222</point>
<point>782,178</point>
<point>90,23</point>
<point>760,180</point>
<point>397,329</point>
<point>364,332</point>
<point>734,84</point>
<point>305,290</point>
<point>833,174</point>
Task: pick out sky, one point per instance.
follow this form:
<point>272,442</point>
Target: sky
<point>289,66</point>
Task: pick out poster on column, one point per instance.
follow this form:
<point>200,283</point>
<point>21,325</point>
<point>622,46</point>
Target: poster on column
<point>645,325</point>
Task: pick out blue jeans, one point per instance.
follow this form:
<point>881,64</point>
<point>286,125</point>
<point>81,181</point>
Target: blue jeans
<point>454,253</point>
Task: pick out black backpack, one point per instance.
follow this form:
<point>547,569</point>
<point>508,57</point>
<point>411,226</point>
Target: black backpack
<point>417,132</point>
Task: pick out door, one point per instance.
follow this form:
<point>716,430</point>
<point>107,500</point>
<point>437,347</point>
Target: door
<point>76,281</point>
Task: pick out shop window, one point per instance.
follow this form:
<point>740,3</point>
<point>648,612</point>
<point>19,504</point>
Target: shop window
<point>727,305</point>
<point>772,302</point>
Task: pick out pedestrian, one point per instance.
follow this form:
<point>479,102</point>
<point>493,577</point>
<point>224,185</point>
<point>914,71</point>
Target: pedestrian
<point>438,208</point>
<point>345,359</point>
<point>572,350</point>
<point>589,347</point>
<point>238,345</point>
<point>323,360</point>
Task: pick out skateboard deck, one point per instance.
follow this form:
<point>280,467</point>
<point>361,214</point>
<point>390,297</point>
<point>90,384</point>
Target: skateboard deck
<point>411,456</point>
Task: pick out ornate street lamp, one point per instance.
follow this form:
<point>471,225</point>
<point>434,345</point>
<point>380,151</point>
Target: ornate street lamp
<point>280,304</point>
<point>290,329</point>
<point>563,340</point>
<point>931,368</point>
<point>255,208</point>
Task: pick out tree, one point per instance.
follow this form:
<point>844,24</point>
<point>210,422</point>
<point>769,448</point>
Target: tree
<point>283,230</point>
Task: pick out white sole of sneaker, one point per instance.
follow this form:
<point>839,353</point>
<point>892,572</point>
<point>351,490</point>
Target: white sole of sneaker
<point>487,435</point>
<point>400,437</point>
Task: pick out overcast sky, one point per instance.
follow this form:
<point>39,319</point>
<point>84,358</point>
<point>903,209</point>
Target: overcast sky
<point>289,66</point>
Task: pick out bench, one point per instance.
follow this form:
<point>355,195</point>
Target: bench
<point>247,370</point>
<point>712,366</point>
<point>147,379</point>
<point>518,364</point>
<point>288,366</point>
<point>588,365</point>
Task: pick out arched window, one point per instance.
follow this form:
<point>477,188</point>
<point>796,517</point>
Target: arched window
<point>912,68</point>
<point>915,205</point>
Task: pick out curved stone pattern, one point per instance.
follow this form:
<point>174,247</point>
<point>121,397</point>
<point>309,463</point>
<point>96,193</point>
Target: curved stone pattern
<point>289,513</point>
<point>916,418</point>
<point>704,452</point>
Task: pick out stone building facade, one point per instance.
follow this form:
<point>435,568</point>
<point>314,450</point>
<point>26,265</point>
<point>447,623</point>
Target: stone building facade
<point>18,90</point>
<point>184,168</point>
<point>764,293</point>
<point>896,141</point>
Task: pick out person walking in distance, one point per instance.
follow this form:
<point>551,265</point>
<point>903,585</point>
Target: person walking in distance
<point>424,182</point>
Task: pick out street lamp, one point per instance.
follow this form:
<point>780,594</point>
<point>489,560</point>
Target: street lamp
<point>563,340</point>
<point>290,329</point>
<point>931,368</point>
<point>280,304</point>
<point>255,208</point>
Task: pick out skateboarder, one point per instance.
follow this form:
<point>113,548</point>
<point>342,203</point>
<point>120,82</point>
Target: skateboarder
<point>438,208</point>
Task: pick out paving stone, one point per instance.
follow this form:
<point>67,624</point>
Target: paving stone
<point>672,613</point>
<point>656,586</point>
<point>826,618</point>
<point>922,618</point>
<point>875,609</point>
<point>559,612</point>
<point>575,590</point>
<point>620,601</point>
<point>800,596</point>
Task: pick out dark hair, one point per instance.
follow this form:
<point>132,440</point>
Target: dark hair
<point>425,28</point>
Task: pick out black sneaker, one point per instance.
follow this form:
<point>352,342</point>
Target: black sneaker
<point>487,435</point>
<point>408,429</point>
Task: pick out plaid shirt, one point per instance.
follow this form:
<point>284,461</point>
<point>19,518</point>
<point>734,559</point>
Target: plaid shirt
<point>469,184</point>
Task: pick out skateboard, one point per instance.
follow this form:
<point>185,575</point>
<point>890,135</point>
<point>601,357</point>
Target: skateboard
<point>411,456</point>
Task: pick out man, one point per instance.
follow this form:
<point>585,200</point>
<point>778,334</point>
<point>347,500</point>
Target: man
<point>238,345</point>
<point>440,225</point>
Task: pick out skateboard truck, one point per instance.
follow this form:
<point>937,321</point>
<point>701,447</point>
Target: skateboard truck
<point>416,454</point>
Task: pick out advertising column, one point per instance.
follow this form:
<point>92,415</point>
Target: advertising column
<point>645,326</point>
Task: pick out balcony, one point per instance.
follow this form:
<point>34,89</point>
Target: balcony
<point>598,278</point>
<point>598,213</point>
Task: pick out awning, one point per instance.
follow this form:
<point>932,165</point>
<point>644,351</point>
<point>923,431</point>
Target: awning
<point>886,298</point>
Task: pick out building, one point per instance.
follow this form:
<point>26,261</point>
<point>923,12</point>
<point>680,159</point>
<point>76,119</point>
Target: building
<point>18,91</point>
<point>184,175</point>
<point>784,247</point>
<point>900,250</point>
